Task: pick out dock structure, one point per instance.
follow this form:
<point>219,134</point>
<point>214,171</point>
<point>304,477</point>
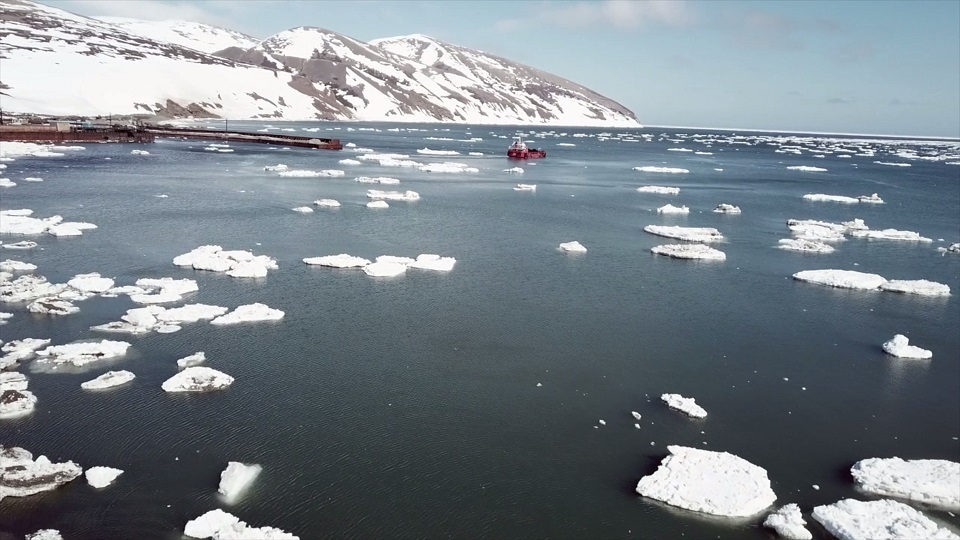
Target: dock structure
<point>62,132</point>
<point>59,133</point>
<point>237,136</point>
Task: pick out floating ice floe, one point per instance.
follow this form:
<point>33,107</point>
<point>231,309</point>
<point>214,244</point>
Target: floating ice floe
<point>820,231</point>
<point>873,199</point>
<point>14,403</point>
<point>311,174</point>
<point>393,195</point>
<point>474,153</point>
<point>194,359</point>
<point>33,179</point>
<point>671,209</point>
<point>789,523</point>
<point>21,475</point>
<point>45,534</point>
<point>163,290</point>
<point>821,197</point>
<point>525,187</point>
<point>953,248</point>
<point>327,203</point>
<point>82,353</point>
<point>689,234</point>
<point>806,168</point>
<point>20,222</point>
<point>724,208</point>
<point>303,209</point>
<point>900,347</point>
<point>715,483</point>
<point>6,182</point>
<point>429,152</point>
<point>687,406</point>
<point>920,287</point>
<point>851,519</point>
<point>185,314</point>
<point>234,263</point>
<point>514,170</point>
<point>689,251</point>
<point>856,224</point>
<point>394,259</point>
<point>249,313</point>
<point>338,261</point>
<point>220,525</point>
<point>101,477</point>
<point>430,261</point>
<point>23,244</point>
<point>843,279</point>
<point>4,317</point>
<point>90,283</point>
<point>348,161</point>
<point>277,168</point>
<point>935,482</point>
<point>20,349</point>
<point>446,167</point>
<point>800,244</point>
<point>29,287</point>
<point>892,164</point>
<point>663,170</point>
<point>108,380</point>
<point>663,190</point>
<point>378,204</point>
<point>11,380</point>
<point>139,153</point>
<point>376,180</point>
<point>573,246</point>
<point>11,265</point>
<point>52,306</point>
<point>197,379</point>
<point>384,269</point>
<point>890,234</point>
<point>236,478</point>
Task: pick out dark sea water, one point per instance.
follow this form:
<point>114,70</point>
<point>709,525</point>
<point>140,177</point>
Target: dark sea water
<point>409,407</point>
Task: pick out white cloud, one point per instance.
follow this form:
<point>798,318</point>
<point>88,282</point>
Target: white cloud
<point>624,14</point>
<point>209,12</point>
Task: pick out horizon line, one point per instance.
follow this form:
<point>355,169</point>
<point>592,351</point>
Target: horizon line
<point>794,132</point>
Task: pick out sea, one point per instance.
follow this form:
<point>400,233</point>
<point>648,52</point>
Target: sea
<point>493,400</point>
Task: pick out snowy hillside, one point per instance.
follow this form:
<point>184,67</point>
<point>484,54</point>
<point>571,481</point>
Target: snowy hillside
<point>124,66</point>
<point>202,37</point>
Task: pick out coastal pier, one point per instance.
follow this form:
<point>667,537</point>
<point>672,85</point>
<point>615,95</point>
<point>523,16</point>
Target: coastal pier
<point>237,136</point>
<point>63,132</point>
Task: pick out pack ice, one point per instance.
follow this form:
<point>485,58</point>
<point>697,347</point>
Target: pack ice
<point>930,481</point>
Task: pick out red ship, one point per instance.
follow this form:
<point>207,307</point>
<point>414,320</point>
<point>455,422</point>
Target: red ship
<point>519,150</point>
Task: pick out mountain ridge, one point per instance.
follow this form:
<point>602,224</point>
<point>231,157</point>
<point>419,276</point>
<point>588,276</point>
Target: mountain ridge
<point>182,69</point>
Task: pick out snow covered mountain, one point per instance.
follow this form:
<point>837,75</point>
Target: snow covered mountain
<point>56,62</point>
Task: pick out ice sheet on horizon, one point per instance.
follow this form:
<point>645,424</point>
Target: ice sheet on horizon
<point>850,519</point>
<point>715,483</point>
<point>935,482</point>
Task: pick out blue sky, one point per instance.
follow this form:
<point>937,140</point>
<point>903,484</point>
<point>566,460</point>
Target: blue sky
<point>847,66</point>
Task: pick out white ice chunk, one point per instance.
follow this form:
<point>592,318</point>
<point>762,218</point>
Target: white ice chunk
<point>430,152</point>
<point>851,519</point>
<point>663,190</point>
<point>663,170</point>
<point>929,481</point>
<point>384,269</point>
<point>276,168</point>
<point>689,234</point>
<point>800,244</point>
<point>21,475</point>
<point>821,197</point>
<point>376,180</point>
<point>242,531</point>
<point>169,285</point>
<point>303,209</point>
<point>844,279</point>
<point>327,203</point>
<point>573,246</point>
<point>45,534</point>
<point>890,234</point>
<point>378,204</point>
<point>108,380</point>
<point>916,286</point>
<point>83,353</point>
<point>249,313</point>
<point>249,269</point>
<point>11,380</point>
<point>724,208</point>
<point>14,403</point>
<point>873,199</point>
<point>716,483</point>
<point>789,523</point>
<point>393,195</point>
<point>236,478</point>
<point>514,170</point>
<point>190,313</point>
<point>23,244</point>
<point>900,347</point>
<point>90,283</point>
<point>101,477</point>
<point>430,261</point>
<point>395,259</point>
<point>338,261</point>
<point>671,209</point>
<point>953,248</point>
<point>28,287</point>
<point>11,265</point>
<point>197,379</point>
<point>687,406</point>
<point>806,168</point>
<point>52,306</point>
<point>525,187</point>
<point>208,524</point>
<point>311,174</point>
<point>689,251</point>
<point>194,359</point>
